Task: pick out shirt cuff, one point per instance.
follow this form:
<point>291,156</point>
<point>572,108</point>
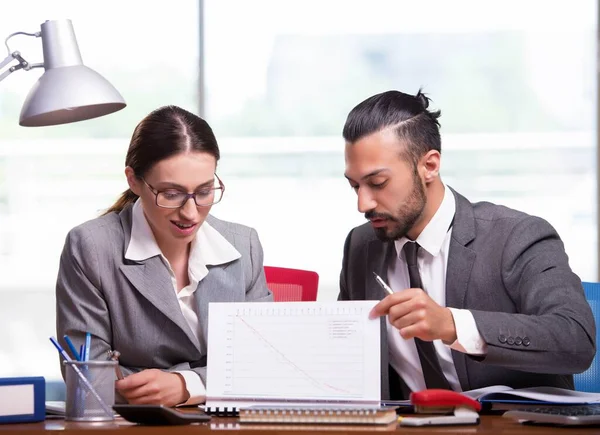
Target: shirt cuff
<point>468,338</point>
<point>194,386</point>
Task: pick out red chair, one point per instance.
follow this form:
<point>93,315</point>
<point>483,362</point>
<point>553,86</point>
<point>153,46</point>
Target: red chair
<point>290,285</point>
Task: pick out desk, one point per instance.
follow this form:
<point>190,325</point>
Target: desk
<point>489,425</point>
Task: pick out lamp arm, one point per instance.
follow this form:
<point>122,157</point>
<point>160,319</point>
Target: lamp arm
<point>23,64</point>
<point>36,34</point>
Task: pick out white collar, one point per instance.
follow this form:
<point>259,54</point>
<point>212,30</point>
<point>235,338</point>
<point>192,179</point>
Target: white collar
<point>209,247</point>
<point>433,235</point>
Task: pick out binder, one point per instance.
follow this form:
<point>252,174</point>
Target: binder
<point>22,400</point>
<point>311,370</point>
<point>317,415</point>
<point>222,411</point>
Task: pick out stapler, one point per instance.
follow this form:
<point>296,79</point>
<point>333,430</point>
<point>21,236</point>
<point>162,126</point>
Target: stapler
<point>433,401</point>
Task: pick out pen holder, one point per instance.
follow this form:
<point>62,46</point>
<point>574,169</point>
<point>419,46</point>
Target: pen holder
<point>90,390</point>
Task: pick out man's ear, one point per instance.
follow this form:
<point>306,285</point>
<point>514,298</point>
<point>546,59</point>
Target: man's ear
<point>430,164</point>
<point>135,184</point>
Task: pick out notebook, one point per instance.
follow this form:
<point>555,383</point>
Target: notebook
<point>297,354</point>
<point>317,415</point>
<point>55,407</point>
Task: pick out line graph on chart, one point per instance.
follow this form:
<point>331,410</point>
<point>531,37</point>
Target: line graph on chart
<point>315,354</point>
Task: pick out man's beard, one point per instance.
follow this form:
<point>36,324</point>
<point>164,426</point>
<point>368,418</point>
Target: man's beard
<point>406,217</point>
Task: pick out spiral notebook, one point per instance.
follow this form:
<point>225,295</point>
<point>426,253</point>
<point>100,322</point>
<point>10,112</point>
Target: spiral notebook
<point>318,415</point>
<point>292,354</point>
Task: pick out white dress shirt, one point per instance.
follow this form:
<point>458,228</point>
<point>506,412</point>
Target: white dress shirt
<point>209,247</point>
<point>432,261</point>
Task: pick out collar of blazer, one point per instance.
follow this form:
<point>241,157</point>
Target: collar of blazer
<point>151,279</point>
<point>460,258</point>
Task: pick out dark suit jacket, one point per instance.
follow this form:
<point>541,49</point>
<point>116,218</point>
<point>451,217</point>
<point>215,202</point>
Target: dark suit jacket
<point>511,271</point>
<point>131,306</point>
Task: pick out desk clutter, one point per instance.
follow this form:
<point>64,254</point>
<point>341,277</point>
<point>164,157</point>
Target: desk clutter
<point>329,374</point>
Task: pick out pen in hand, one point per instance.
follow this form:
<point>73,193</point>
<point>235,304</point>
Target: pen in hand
<point>114,356</point>
<point>383,284</point>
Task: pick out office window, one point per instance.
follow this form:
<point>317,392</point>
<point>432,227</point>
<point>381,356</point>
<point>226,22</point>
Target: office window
<point>53,178</point>
<point>515,82</point>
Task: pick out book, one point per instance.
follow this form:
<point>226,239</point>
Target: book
<point>317,415</point>
<point>22,399</point>
<point>55,407</point>
<point>297,354</point>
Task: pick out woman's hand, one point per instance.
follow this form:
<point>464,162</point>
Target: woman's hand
<point>153,386</point>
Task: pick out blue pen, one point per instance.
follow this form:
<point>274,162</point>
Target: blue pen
<point>72,347</point>
<point>88,345</point>
<point>86,383</point>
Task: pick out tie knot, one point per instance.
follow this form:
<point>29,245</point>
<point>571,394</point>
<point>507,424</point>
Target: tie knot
<point>410,253</point>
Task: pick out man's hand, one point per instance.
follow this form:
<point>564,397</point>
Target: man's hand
<point>415,314</point>
<point>153,386</point>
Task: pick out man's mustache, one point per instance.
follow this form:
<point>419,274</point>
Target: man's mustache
<point>374,215</point>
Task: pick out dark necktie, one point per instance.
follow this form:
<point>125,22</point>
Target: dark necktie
<point>432,371</point>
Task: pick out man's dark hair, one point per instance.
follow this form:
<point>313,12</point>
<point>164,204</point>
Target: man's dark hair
<point>407,114</point>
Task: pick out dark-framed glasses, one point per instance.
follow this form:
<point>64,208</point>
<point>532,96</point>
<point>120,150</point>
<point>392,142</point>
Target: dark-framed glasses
<point>174,198</point>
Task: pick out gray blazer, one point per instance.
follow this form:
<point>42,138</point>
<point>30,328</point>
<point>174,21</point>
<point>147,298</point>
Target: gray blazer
<point>511,271</point>
<point>132,307</point>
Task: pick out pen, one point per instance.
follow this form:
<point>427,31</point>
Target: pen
<point>114,356</point>
<point>72,348</point>
<point>86,383</point>
<point>383,284</point>
<point>88,345</point>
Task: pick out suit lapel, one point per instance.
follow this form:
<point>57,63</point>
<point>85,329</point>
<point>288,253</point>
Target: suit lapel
<point>378,257</point>
<point>224,283</point>
<point>460,264</point>
<point>152,280</point>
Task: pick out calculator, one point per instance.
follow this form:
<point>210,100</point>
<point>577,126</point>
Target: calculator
<point>161,415</point>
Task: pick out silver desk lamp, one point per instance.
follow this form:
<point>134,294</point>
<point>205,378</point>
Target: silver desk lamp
<point>68,91</point>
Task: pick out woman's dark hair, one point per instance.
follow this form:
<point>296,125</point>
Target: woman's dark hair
<point>407,114</point>
<point>165,132</point>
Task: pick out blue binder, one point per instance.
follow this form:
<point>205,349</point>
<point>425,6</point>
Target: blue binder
<point>23,398</point>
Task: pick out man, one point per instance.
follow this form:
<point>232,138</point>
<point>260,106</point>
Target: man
<point>490,287</point>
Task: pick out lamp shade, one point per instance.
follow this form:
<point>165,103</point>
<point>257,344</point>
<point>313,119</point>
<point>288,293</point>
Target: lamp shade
<point>68,91</point>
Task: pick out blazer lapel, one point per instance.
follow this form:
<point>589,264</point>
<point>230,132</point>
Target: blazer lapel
<point>460,263</point>
<point>378,257</point>
<point>152,280</point>
<point>224,283</point>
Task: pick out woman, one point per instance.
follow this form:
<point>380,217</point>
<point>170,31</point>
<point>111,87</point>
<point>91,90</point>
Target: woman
<point>140,277</point>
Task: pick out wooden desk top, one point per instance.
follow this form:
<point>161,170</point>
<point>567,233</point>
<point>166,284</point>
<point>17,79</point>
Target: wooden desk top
<point>488,425</point>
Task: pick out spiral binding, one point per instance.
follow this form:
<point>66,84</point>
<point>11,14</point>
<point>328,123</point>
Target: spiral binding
<point>222,412</point>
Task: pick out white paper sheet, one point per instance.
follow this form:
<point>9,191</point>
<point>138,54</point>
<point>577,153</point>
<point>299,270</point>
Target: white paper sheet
<point>293,352</point>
